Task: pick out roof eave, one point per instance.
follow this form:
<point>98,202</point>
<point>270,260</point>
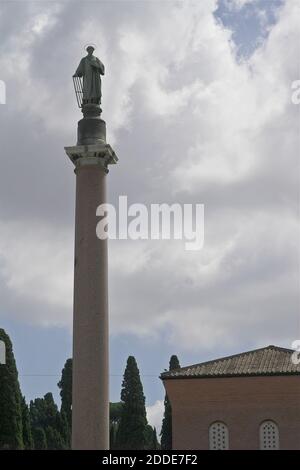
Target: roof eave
<point>226,376</point>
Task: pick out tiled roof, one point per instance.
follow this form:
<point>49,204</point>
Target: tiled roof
<point>271,360</point>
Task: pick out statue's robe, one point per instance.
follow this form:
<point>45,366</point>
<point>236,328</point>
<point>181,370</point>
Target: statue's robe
<point>91,69</point>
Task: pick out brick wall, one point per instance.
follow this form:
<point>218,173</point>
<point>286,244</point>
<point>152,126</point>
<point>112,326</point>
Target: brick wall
<point>240,402</point>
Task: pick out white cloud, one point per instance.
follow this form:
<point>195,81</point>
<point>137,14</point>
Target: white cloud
<point>36,264</point>
<point>242,285</point>
<point>155,415</point>
<point>191,124</point>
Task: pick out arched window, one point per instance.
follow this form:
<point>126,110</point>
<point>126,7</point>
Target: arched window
<point>218,436</point>
<point>268,435</point>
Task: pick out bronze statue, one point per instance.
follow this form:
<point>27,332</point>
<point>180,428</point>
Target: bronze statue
<point>90,69</point>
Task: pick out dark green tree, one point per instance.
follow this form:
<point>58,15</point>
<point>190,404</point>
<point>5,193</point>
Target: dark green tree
<point>151,438</point>
<point>65,386</point>
<point>26,425</point>
<point>44,414</point>
<point>63,428</point>
<point>155,443</point>
<point>10,400</point>
<point>39,438</point>
<point>131,434</point>
<point>115,411</point>
<point>166,429</point>
<point>54,438</point>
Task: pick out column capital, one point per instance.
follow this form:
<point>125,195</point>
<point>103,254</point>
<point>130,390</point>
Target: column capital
<point>93,154</point>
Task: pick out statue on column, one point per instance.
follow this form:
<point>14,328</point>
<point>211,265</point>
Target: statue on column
<point>90,69</point>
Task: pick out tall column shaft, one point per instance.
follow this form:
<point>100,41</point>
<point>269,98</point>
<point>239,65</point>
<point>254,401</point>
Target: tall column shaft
<point>90,401</point>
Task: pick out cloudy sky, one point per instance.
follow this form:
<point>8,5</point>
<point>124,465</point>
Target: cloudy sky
<point>197,100</point>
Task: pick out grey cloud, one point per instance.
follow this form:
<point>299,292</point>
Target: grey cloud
<point>249,290</point>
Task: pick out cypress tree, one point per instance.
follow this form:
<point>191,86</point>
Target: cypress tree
<point>131,434</point>
<point>26,426</point>
<point>39,438</point>
<point>115,411</point>
<point>10,400</point>
<point>55,440</point>
<point>113,429</point>
<point>166,429</point>
<point>149,437</point>
<point>155,444</point>
<point>63,428</point>
<point>44,414</point>
<point>65,385</point>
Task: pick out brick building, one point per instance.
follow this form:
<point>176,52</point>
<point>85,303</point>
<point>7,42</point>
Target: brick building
<point>246,401</point>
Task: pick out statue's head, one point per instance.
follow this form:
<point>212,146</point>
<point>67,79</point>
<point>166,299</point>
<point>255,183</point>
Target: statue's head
<point>90,50</point>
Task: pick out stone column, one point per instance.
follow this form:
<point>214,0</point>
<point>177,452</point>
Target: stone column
<point>90,402</point>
